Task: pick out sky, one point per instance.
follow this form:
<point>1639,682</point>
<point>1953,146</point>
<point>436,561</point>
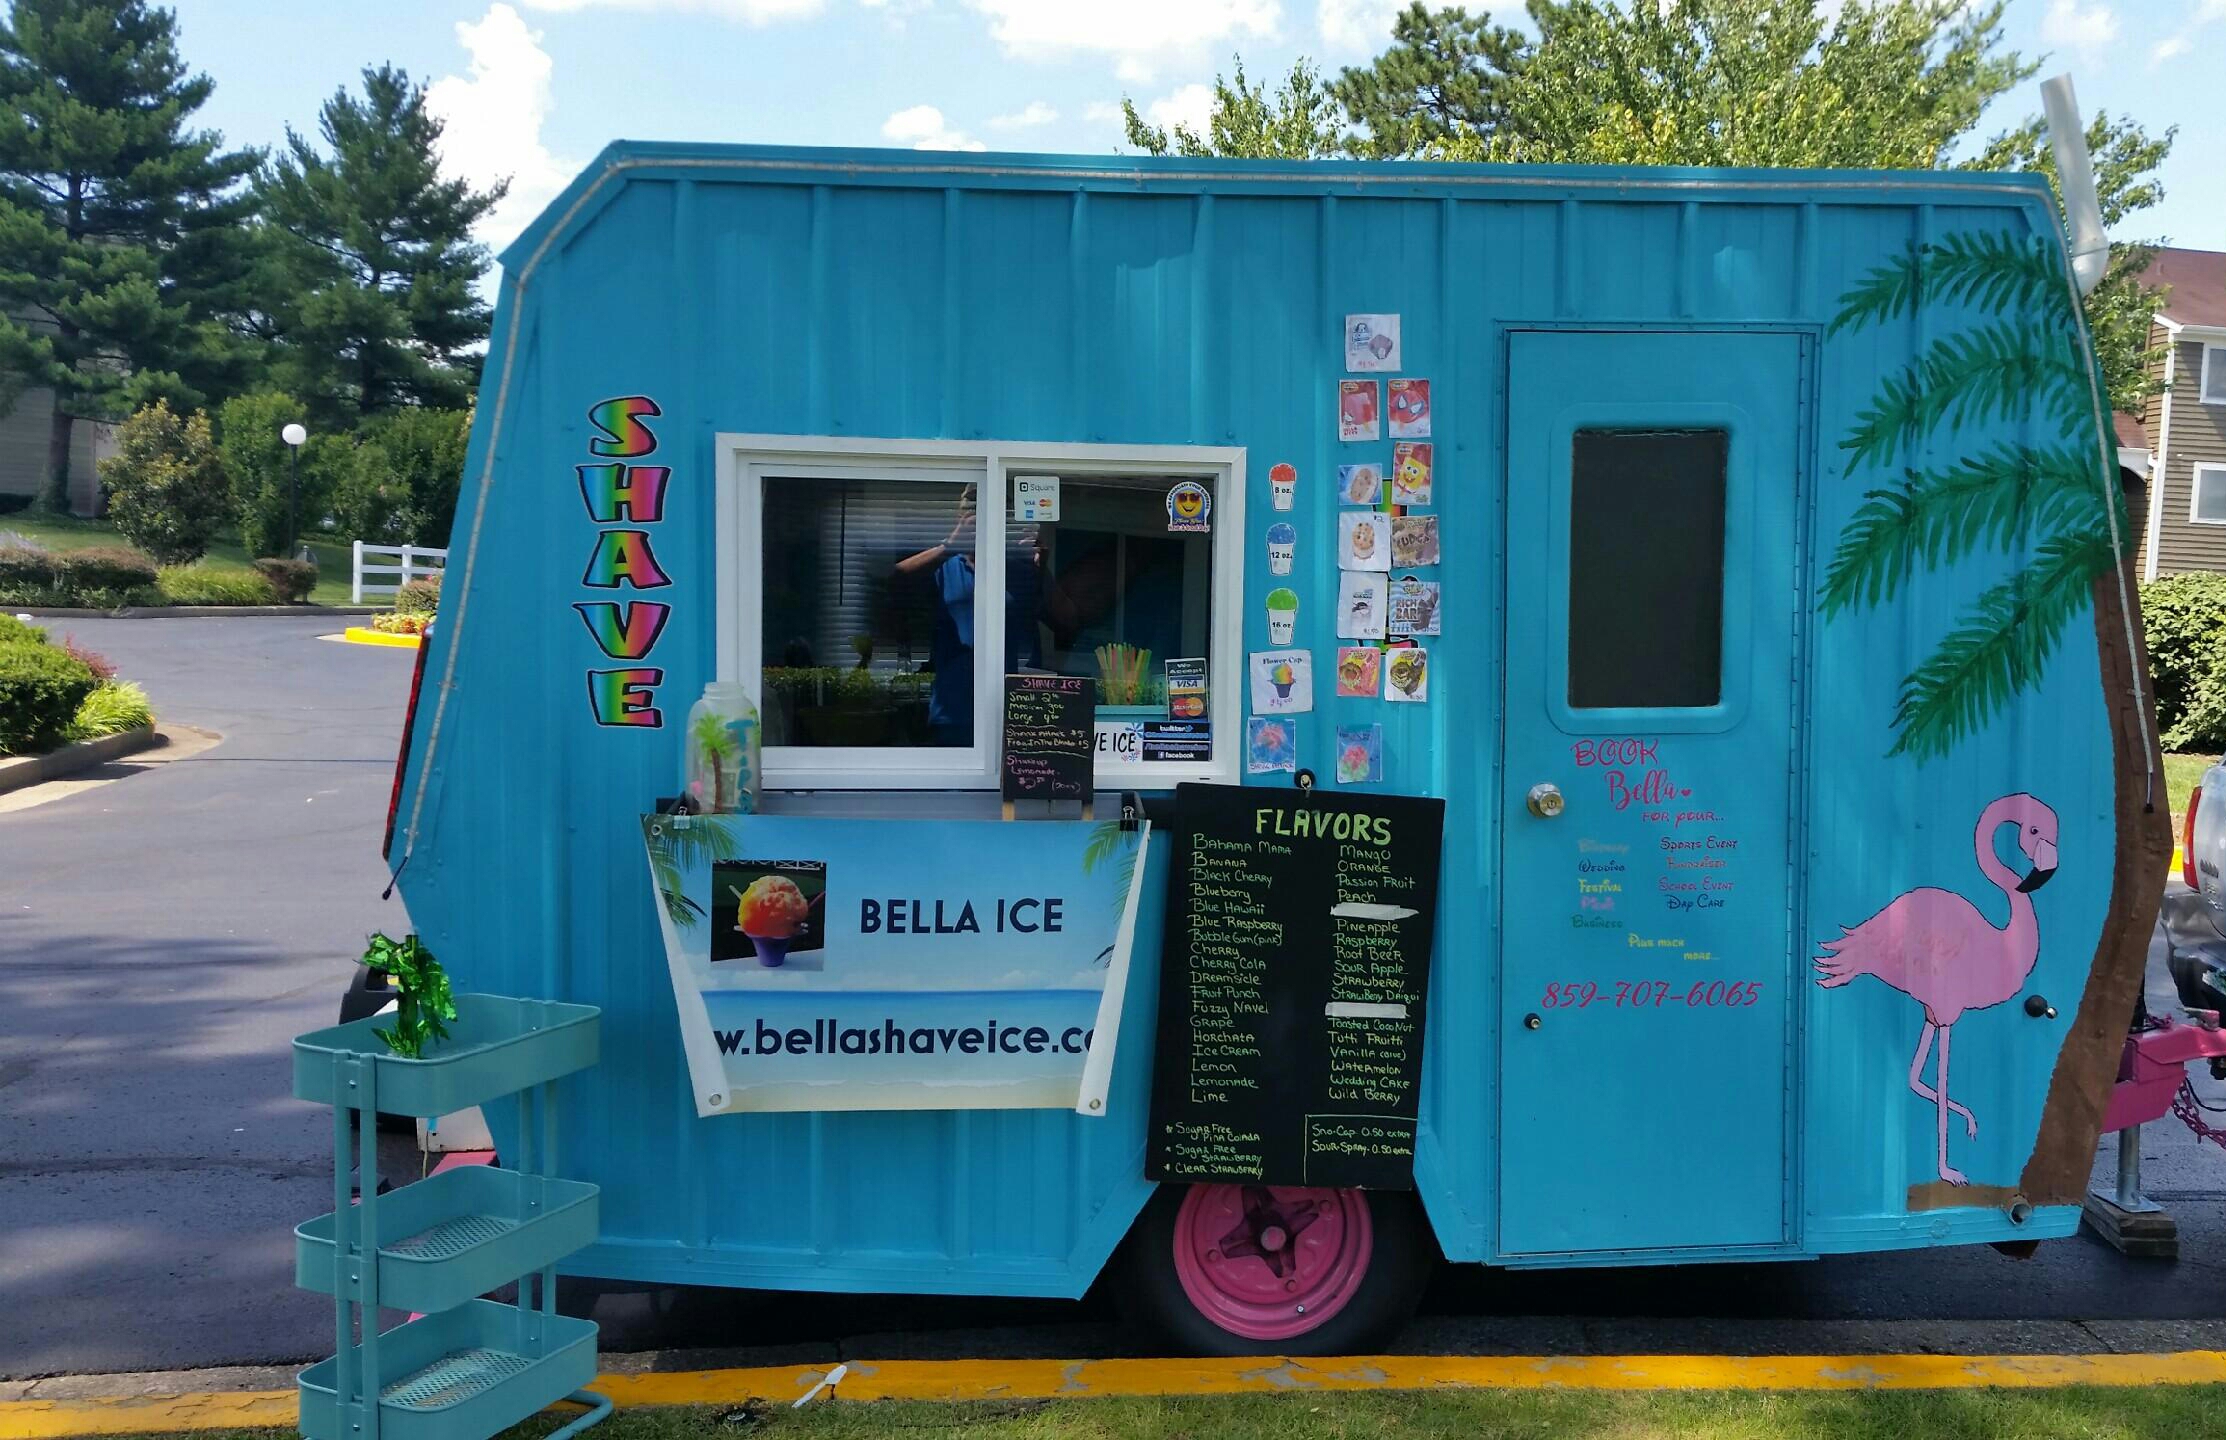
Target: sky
<point>532,89</point>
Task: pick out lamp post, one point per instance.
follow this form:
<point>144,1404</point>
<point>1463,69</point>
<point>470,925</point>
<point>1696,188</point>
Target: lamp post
<point>293,435</point>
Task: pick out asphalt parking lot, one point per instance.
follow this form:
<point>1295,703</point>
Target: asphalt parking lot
<point>164,935</point>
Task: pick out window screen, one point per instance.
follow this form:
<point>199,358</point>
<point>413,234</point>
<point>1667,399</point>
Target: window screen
<point>1646,568</point>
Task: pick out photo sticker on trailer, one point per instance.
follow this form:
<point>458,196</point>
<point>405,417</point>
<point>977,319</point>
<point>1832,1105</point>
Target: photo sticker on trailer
<point>1189,507</point>
<point>1357,416</point>
<point>1371,343</point>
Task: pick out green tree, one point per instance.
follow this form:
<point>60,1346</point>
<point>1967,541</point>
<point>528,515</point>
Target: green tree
<point>372,260</point>
<point>1442,78</point>
<point>425,450</point>
<point>1297,122</point>
<point>117,220</point>
<point>167,492</point>
<point>249,441</point>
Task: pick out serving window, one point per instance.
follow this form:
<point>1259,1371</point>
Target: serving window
<point>874,595</point>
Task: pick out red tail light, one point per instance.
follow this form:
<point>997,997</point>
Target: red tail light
<point>402,758</point>
<point>2187,839</point>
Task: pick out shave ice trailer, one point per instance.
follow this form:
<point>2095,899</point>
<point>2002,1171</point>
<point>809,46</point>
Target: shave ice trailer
<point>1549,717</point>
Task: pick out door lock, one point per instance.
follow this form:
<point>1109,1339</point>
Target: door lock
<point>1544,800</point>
<point>1532,1022</point>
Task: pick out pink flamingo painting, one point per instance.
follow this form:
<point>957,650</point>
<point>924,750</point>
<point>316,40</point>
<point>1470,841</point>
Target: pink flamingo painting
<point>1938,949</point>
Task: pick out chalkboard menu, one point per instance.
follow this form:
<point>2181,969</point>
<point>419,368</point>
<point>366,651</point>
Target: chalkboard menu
<point>1047,737</point>
<point>1292,987</point>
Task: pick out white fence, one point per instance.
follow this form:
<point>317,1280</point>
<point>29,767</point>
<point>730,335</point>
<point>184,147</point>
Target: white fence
<point>412,562</point>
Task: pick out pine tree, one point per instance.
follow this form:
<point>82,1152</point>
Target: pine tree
<point>116,219</point>
<point>373,261</point>
<point>1443,76</point>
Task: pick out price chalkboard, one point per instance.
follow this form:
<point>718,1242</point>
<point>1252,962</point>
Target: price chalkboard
<point>1293,985</point>
<point>1048,736</point>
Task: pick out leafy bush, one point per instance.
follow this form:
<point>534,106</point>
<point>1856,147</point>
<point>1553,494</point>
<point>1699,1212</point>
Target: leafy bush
<point>113,707</point>
<point>102,667</point>
<point>105,577</point>
<point>105,567</point>
<point>292,579</point>
<point>2183,618</point>
<point>215,585</point>
<point>399,622</point>
<point>370,501</point>
<point>419,597</point>
<point>27,576</point>
<point>40,690</point>
<point>18,632</point>
<point>167,491</point>
<point>255,462</point>
<point>424,450</point>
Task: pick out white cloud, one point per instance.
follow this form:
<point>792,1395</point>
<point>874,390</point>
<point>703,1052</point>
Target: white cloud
<point>1190,107</point>
<point>1102,112</point>
<point>1138,35</point>
<point>2169,48</point>
<point>754,12</point>
<point>2079,27</point>
<point>492,119</point>
<point>2174,46</point>
<point>922,127</point>
<point>1034,113</point>
<point>1356,26</point>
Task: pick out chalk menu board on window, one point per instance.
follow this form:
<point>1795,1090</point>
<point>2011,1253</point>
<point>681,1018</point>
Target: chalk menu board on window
<point>1293,985</point>
<point>1048,737</point>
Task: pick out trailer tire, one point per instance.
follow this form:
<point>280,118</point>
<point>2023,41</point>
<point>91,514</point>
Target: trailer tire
<point>1306,1271</point>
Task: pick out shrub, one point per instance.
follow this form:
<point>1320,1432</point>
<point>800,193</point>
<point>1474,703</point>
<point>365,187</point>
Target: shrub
<point>215,585</point>
<point>370,501</point>
<point>167,491</point>
<point>2183,618</point>
<point>105,567</point>
<point>40,690</point>
<point>292,579</point>
<point>18,632</point>
<point>397,622</point>
<point>255,461</point>
<point>424,449</point>
<point>27,576</point>
<point>419,597</point>
<point>102,667</point>
<point>112,707</point>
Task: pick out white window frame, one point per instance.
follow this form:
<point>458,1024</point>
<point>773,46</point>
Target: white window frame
<point>746,459</point>
<point>2195,491</point>
<point>2214,368</point>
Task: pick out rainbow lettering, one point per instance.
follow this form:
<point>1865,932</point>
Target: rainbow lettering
<point>627,636</point>
<point>633,493</point>
<point>625,697</point>
<point>623,557</point>
<point>618,419</point>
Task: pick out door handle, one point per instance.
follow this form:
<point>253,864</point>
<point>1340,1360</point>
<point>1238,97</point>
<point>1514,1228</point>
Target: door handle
<point>1544,800</point>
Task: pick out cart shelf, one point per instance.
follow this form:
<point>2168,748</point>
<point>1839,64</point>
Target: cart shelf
<point>458,1234</point>
<point>498,1045</point>
<point>471,1371</point>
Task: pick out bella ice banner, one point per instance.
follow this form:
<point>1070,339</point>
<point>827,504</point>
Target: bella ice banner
<point>824,964</point>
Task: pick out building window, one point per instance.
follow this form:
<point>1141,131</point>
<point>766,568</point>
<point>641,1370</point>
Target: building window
<point>875,594</point>
<point>2207,502</point>
<point>2213,386</point>
<point>1650,637</point>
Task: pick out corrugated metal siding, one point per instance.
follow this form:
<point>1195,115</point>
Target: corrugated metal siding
<point>873,294</point>
<point>2198,437</point>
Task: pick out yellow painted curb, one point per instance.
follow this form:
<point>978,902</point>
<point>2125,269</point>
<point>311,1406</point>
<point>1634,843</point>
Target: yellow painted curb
<point>963,1380</point>
<point>358,635</point>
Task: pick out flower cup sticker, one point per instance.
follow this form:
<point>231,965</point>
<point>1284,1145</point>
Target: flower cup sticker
<point>1407,403</point>
<point>1283,484</point>
<point>1359,671</point>
<point>1411,467</point>
<point>1189,507</point>
<point>1363,540</point>
<point>1414,540</point>
<point>1408,675</point>
<point>1357,417</point>
<point>1360,754</point>
<point>775,905</point>
<point>1283,539</point>
<point>1360,484</point>
<point>1282,682</point>
<point>1360,604</point>
<point>1283,614</point>
<point>1270,744</point>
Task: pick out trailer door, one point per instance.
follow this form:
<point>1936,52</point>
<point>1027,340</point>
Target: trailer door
<point>1654,492</point>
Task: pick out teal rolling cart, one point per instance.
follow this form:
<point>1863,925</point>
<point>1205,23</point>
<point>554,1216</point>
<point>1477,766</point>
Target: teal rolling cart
<point>464,1368</point>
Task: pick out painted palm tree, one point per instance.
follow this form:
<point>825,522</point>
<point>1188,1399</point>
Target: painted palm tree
<point>676,849</point>
<point>715,742</point>
<point>2052,501</point>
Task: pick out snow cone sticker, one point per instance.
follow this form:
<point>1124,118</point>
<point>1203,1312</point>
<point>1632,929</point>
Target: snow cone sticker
<point>1283,538</point>
<point>1188,506</point>
<point>1283,615</point>
<point>768,909</point>
<point>1283,484</point>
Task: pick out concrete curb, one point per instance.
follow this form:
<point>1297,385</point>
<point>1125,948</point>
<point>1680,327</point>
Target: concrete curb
<point>360,635</point>
<point>20,771</point>
<point>979,1380</point>
<point>185,612</point>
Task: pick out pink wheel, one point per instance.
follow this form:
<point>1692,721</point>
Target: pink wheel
<point>1269,1262</point>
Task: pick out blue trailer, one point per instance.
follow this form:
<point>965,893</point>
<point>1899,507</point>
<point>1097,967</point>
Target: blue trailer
<point>1770,643</point>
